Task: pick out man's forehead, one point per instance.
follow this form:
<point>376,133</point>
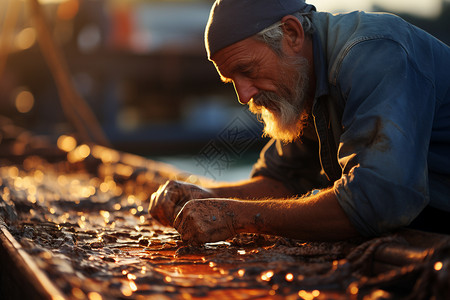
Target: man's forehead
<point>234,57</point>
<point>237,52</point>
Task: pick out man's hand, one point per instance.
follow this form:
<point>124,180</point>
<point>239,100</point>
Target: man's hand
<point>207,220</point>
<point>168,200</point>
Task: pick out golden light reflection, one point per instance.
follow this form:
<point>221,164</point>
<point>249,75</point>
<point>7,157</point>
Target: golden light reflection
<point>62,180</point>
<point>438,266</point>
<point>117,191</point>
<point>94,296</point>
<point>13,172</point>
<point>78,293</point>
<point>26,38</point>
<point>106,155</point>
<point>266,276</point>
<point>124,170</point>
<point>104,187</point>
<point>105,214</point>
<point>81,224</point>
<point>111,184</point>
<point>66,143</point>
<point>68,10</point>
<point>353,289</point>
<point>18,183</point>
<point>32,190</point>
<point>38,176</point>
<point>84,150</point>
<point>95,181</point>
<point>133,286</point>
<point>31,198</point>
<point>27,182</point>
<point>241,272</point>
<point>24,101</point>
<point>131,199</point>
<point>126,290</point>
<point>186,296</point>
<point>306,295</point>
<point>87,191</point>
<point>289,277</point>
<point>131,276</point>
<point>6,193</point>
<point>46,255</point>
<point>79,153</point>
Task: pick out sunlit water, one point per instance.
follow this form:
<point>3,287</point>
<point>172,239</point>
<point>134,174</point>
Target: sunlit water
<point>233,170</point>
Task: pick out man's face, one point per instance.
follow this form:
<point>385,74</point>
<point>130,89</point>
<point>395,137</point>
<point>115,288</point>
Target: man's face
<point>273,86</point>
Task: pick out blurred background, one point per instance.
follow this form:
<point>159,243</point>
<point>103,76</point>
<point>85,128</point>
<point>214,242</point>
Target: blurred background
<point>141,67</point>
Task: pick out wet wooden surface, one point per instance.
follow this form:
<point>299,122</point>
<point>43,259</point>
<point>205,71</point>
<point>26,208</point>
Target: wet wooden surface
<point>77,227</point>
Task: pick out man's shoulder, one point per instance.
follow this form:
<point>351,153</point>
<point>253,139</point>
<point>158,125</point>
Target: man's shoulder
<point>358,24</point>
<point>340,34</point>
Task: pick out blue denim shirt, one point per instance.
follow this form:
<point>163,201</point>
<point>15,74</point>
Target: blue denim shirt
<point>381,116</point>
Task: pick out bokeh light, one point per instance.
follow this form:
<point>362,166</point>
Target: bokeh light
<point>68,10</point>
<point>66,143</point>
<point>26,38</point>
<point>24,101</point>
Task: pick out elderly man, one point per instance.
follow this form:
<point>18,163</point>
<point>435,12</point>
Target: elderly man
<point>358,108</point>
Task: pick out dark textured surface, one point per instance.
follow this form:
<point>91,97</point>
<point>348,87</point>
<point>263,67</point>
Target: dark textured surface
<point>83,223</point>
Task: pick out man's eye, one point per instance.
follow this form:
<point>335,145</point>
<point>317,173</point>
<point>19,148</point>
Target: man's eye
<point>248,72</point>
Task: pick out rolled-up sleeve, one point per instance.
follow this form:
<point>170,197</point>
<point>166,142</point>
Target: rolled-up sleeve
<point>387,123</point>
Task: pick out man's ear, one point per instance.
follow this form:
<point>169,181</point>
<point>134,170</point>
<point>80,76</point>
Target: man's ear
<point>294,36</point>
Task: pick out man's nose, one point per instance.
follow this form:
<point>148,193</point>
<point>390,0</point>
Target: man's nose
<point>245,91</point>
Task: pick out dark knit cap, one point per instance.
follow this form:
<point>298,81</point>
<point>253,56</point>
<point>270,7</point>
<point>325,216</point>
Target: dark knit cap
<point>231,21</point>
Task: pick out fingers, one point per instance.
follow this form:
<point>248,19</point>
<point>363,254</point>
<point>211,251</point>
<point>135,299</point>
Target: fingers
<point>202,221</point>
<point>169,199</point>
<point>161,206</point>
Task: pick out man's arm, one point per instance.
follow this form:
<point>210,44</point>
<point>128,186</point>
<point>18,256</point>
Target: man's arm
<point>259,187</point>
<point>169,199</point>
<point>317,217</point>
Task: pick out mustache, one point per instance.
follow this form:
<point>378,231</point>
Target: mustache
<point>268,100</point>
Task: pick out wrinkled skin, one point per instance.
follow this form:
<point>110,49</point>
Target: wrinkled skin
<point>170,198</point>
<point>206,220</point>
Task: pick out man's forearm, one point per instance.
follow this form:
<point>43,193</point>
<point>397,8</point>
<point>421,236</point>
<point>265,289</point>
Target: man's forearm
<point>253,188</point>
<point>318,217</point>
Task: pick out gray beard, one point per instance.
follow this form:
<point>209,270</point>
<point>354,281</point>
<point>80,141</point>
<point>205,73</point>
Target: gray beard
<point>284,114</point>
